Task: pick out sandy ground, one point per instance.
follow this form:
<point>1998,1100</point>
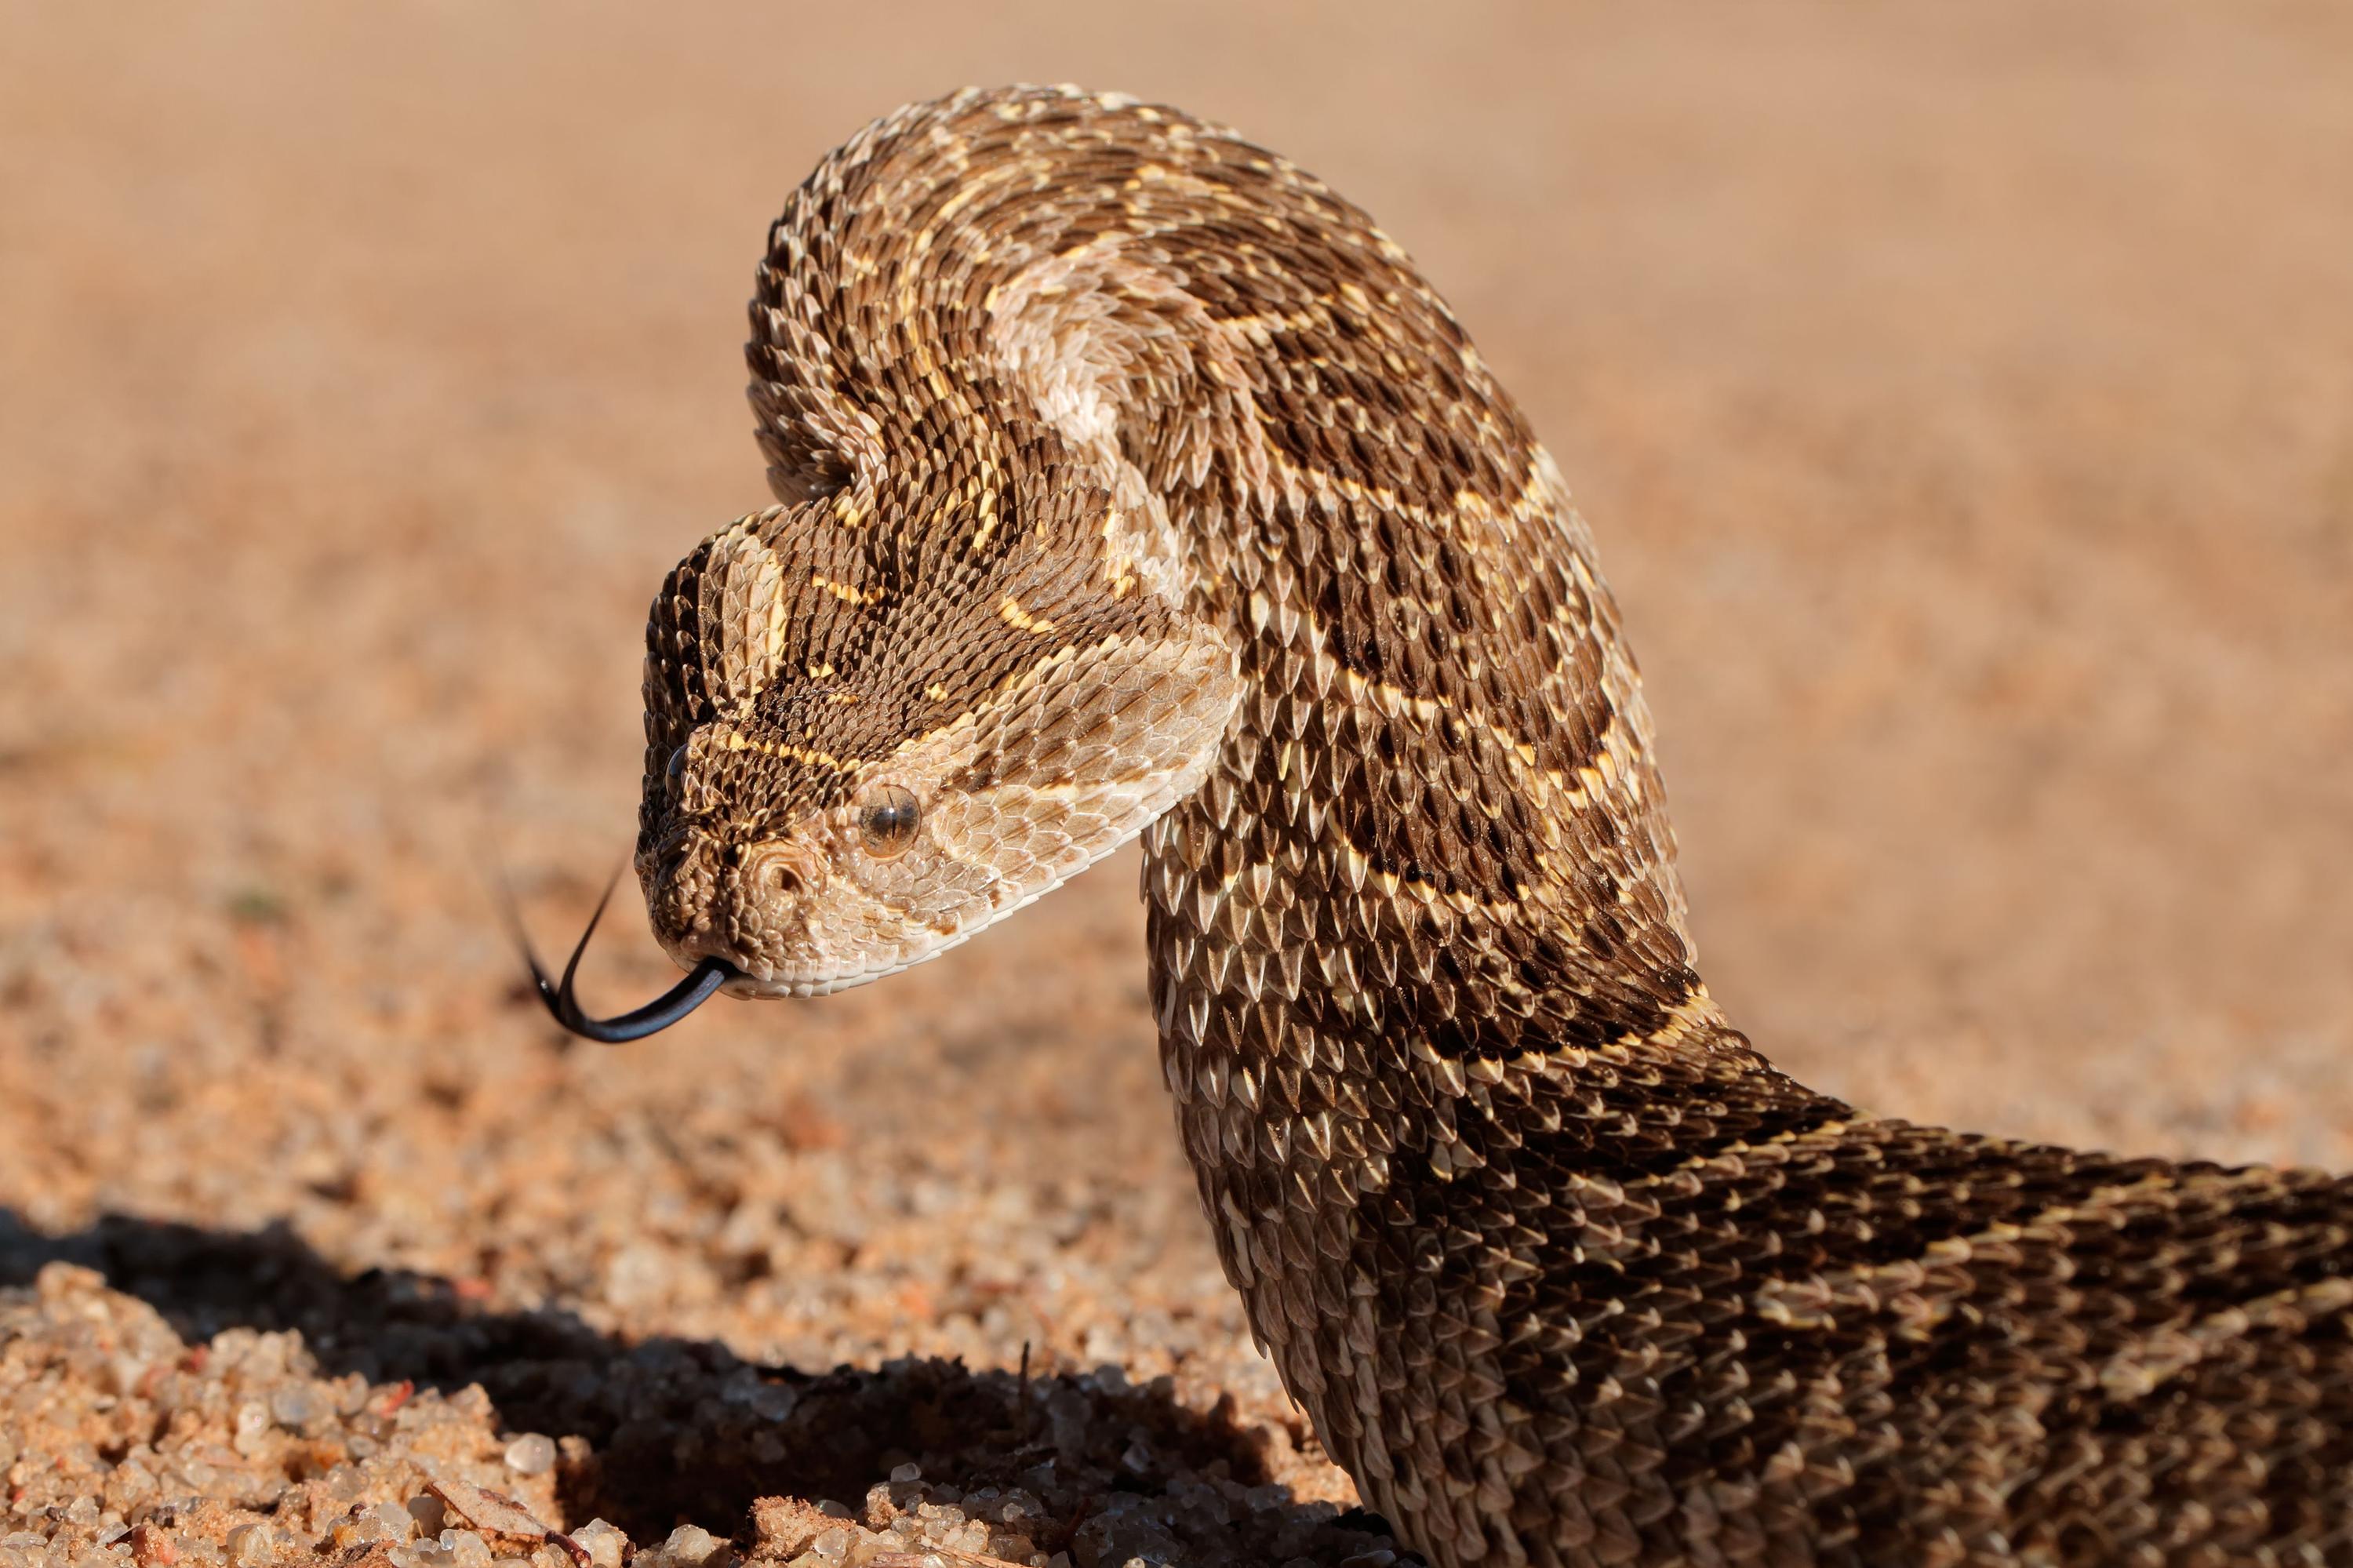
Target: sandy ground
<point>1963,398</point>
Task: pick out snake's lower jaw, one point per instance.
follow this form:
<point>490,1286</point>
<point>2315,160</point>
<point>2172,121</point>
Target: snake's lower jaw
<point>743,988</point>
<point>802,987</point>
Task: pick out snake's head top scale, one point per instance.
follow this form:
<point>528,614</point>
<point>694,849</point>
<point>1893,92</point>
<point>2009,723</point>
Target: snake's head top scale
<point>864,743</point>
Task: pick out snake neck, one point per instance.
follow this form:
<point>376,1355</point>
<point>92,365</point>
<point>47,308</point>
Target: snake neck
<point>1563,1270</point>
<point>1432,863</point>
<point>1424,903</point>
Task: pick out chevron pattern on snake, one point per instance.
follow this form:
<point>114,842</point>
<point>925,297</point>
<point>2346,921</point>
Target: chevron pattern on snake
<point>1131,481</point>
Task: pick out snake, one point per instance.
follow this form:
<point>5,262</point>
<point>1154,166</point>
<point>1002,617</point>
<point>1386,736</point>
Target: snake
<point>1130,483</point>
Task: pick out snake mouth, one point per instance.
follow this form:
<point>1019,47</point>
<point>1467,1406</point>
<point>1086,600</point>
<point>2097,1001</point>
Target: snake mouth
<point>699,986</point>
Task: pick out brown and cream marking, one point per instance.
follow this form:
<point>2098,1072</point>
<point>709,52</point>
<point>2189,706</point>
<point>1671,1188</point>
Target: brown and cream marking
<point>1131,482</point>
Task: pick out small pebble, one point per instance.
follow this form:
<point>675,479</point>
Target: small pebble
<point>150,1547</point>
<point>252,1543</point>
<point>907,1472</point>
<point>466,1549</point>
<point>603,1543</point>
<point>386,1522</point>
<point>297,1406</point>
<point>431,1514</point>
<point>687,1546</point>
<point>532,1454</point>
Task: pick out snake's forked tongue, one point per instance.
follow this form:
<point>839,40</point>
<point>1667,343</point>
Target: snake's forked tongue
<point>655,1016</point>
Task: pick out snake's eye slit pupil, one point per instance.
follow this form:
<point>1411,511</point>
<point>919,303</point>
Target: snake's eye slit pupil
<point>674,776</point>
<point>887,820</point>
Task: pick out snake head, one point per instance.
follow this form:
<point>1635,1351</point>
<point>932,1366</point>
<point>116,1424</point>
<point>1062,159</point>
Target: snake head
<point>858,755</point>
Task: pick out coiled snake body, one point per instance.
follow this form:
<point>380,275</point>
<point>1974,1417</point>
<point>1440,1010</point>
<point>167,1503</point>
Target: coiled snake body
<point>1131,482</point>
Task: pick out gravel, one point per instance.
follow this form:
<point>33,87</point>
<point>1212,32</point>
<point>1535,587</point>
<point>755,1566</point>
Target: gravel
<point>128,1445</point>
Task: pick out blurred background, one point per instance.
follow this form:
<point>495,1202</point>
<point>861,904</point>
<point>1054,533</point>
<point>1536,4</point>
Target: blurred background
<point>1962,398</point>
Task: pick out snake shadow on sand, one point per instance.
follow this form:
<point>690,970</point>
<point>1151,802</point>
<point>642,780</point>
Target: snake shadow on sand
<point>686,1431</point>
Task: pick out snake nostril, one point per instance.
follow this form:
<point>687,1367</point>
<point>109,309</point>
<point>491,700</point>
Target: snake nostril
<point>776,872</point>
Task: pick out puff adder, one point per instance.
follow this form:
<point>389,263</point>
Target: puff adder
<point>1131,482</point>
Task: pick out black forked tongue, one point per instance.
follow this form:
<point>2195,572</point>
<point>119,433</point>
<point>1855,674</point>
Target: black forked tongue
<point>654,1017</point>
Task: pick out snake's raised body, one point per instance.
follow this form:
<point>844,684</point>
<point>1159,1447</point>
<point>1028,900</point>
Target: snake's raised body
<point>1133,482</point>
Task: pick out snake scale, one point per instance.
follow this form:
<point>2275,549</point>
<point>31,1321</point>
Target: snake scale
<point>1131,482</point>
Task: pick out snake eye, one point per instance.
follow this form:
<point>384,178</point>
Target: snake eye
<point>887,820</point>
